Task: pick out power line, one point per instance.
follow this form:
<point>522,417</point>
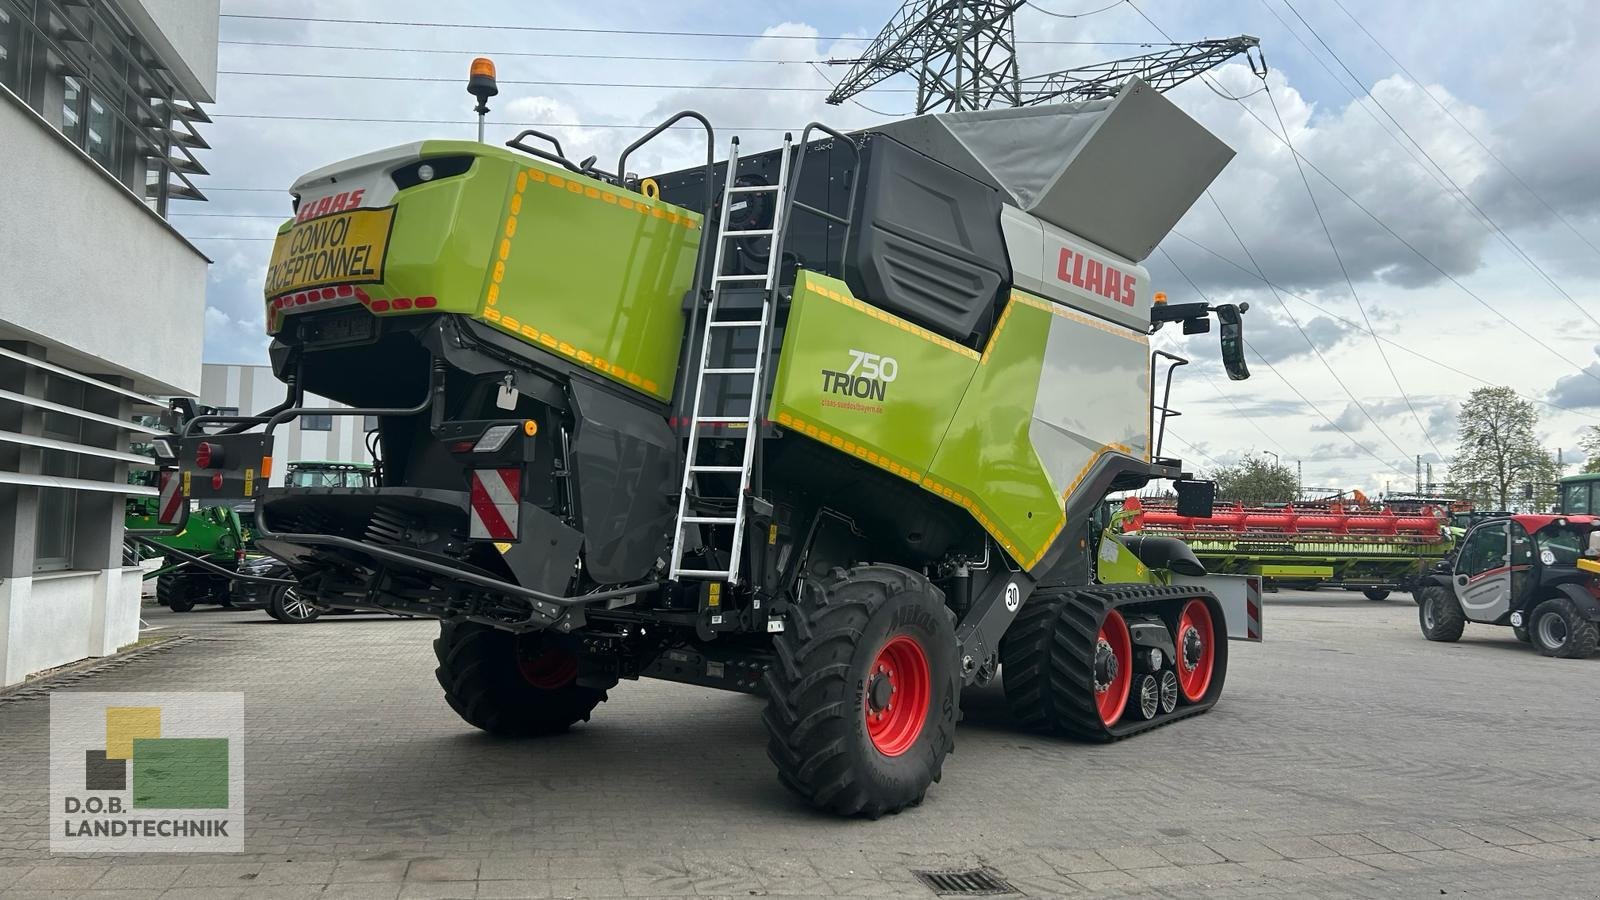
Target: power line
<point>765,89</point>
<point>639,31</point>
<point>1050,12</point>
<point>1349,282</point>
<point>1517,248</point>
<point>1357,326</point>
<point>1392,233</point>
<point>369,121</point>
<point>1485,147</point>
<point>538,54</point>
<point>1284,378</point>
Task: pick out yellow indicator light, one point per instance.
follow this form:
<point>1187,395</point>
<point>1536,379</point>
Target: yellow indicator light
<point>530,427</point>
<point>1159,298</point>
<point>483,66</point>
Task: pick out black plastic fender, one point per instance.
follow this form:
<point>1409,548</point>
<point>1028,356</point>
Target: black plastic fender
<point>1585,601</point>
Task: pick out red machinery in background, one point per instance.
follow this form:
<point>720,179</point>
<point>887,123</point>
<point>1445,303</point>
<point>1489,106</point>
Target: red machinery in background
<point>1363,547</point>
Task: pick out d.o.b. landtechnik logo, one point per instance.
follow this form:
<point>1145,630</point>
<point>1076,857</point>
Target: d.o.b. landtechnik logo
<point>146,772</point>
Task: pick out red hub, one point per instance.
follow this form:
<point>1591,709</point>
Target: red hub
<point>1196,650</point>
<point>1113,667</point>
<point>898,692</point>
<point>551,669</point>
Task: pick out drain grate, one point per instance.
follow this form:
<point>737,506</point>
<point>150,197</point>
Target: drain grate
<point>965,882</point>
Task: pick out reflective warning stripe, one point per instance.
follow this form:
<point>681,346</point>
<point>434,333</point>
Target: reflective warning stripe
<point>495,495</point>
<point>1252,606</point>
<point>170,508</point>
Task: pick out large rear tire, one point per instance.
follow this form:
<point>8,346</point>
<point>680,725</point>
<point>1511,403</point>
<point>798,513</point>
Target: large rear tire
<point>1439,614</point>
<point>174,592</point>
<point>1558,628</point>
<point>862,701</point>
<point>511,685</point>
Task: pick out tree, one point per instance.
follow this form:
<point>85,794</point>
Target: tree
<point>1590,444</point>
<point>1500,453</point>
<point>1255,481</point>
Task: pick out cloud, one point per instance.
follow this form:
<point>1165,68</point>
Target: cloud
<point>1580,390</point>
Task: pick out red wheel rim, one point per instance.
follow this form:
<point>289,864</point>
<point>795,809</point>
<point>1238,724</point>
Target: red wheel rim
<point>1112,695</point>
<point>555,668</point>
<point>1194,669</point>
<point>898,693</point>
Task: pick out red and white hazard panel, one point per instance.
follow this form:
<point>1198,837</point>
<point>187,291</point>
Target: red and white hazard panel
<point>495,496</point>
<point>1240,596</point>
<point>1252,605</point>
<point>169,511</point>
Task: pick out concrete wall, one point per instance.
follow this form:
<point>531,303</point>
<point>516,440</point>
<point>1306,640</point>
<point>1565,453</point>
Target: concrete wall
<point>90,270</point>
<point>51,620</point>
<point>184,33</point>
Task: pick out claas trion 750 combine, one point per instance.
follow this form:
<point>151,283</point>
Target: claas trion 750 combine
<point>829,423</point>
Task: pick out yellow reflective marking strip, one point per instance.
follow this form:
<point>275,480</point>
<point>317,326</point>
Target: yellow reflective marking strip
<point>890,318</point>
<point>1057,309</point>
<point>249,482</point>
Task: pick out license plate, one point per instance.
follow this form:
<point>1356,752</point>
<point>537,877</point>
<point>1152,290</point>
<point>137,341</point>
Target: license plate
<point>343,327</point>
<point>344,248</point>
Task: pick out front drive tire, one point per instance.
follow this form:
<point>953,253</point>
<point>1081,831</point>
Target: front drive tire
<point>1439,614</point>
<point>864,696</point>
<point>174,592</point>
<point>511,685</point>
<point>1558,628</point>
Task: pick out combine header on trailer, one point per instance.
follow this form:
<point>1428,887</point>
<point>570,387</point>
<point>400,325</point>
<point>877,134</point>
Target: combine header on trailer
<point>827,423</point>
<point>1373,550</point>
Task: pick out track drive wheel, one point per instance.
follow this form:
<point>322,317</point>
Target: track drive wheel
<point>1558,628</point>
<point>174,592</point>
<point>862,701</point>
<point>1197,652</point>
<point>511,685</point>
<point>1439,614</point>
<point>290,606</point>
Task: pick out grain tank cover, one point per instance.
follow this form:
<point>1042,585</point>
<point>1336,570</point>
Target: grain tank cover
<point>1118,173</point>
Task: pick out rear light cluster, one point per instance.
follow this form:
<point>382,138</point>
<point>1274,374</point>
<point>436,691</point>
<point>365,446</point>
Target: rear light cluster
<point>403,303</point>
<point>345,291</point>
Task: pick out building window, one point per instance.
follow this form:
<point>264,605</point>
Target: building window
<point>316,422</point>
<point>58,521</point>
<point>84,69</point>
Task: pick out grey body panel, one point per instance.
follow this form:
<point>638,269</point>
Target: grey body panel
<point>1118,173</point>
<point>625,463</point>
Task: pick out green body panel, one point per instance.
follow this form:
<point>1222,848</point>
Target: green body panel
<point>899,429</point>
<point>559,260</point>
<point>952,420</point>
<point>1116,564</point>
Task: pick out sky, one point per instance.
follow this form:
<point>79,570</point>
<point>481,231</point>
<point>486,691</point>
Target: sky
<point>1456,178</point>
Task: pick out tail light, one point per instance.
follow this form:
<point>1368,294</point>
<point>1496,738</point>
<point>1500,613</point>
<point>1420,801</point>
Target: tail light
<point>208,455</point>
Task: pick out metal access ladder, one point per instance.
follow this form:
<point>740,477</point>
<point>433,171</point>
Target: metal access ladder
<point>747,427</point>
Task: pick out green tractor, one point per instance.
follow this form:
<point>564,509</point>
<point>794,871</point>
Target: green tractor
<point>829,424</point>
<point>218,534</point>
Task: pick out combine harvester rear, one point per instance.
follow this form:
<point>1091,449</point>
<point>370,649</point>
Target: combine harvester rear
<point>827,423</point>
<point>1375,551</point>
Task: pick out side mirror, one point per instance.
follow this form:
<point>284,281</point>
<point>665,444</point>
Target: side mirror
<point>1196,499</point>
<point>1232,320</point>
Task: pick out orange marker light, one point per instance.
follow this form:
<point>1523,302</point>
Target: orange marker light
<point>483,66</point>
<point>530,427</point>
<point>1159,298</point>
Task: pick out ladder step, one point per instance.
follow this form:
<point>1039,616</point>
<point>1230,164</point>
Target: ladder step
<point>721,278</point>
<point>753,189</point>
<point>723,420</point>
<point>735,323</point>
<point>746,371</point>
<point>710,520</point>
<point>728,469</point>
<point>705,573</point>
<point>759,232</point>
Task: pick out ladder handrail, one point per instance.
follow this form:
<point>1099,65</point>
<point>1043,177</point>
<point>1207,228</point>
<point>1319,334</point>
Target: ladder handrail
<point>782,224</point>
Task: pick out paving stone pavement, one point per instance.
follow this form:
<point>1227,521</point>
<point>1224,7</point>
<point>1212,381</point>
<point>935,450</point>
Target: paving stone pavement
<point>1347,758</point>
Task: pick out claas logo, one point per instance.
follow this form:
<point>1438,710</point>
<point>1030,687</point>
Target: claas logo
<point>330,204</point>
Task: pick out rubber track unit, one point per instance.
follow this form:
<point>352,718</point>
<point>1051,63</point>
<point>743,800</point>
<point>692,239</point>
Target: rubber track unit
<point>1047,657</point>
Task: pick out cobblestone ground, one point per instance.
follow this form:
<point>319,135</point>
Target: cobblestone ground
<point>1348,757</point>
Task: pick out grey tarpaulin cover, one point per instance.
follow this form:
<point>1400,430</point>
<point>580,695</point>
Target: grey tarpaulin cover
<point>1117,172</point>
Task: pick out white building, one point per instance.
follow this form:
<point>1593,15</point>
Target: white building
<point>101,300</point>
<point>240,389</point>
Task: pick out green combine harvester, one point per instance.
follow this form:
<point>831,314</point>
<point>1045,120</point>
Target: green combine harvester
<point>829,423</point>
